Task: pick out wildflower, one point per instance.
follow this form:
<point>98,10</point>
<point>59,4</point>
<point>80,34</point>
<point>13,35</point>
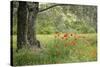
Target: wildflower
<point>66,35</point>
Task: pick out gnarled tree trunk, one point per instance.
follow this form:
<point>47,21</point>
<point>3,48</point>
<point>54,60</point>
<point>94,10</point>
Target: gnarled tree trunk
<point>31,31</point>
<point>26,34</point>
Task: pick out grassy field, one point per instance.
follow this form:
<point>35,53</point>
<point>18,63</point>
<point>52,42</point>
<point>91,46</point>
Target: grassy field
<point>58,48</point>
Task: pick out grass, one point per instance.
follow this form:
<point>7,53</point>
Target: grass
<point>58,48</point>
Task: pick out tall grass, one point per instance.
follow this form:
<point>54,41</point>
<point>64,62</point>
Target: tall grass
<point>58,48</point>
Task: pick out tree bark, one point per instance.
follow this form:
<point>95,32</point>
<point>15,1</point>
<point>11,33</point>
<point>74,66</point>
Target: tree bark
<point>31,31</point>
<point>21,24</point>
<point>26,33</point>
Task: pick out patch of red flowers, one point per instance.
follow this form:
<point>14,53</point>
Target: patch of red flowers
<point>65,36</point>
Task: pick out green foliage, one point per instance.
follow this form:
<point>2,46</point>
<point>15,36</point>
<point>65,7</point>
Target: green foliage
<point>64,18</point>
<point>67,18</point>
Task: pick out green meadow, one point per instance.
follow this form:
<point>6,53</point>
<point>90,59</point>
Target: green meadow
<point>57,50</point>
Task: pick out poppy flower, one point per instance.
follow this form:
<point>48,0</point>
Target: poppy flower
<point>66,35</point>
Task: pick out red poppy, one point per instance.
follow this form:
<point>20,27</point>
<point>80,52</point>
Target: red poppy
<point>66,35</point>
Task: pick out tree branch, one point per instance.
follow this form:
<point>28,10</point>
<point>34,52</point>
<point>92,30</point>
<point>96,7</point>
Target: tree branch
<point>49,7</point>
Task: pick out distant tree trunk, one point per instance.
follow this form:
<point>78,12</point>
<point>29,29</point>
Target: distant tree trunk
<point>21,24</point>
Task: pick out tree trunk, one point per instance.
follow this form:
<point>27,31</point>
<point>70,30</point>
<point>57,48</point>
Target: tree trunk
<point>26,17</point>
<point>31,31</point>
<point>26,34</point>
<point>21,24</point>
